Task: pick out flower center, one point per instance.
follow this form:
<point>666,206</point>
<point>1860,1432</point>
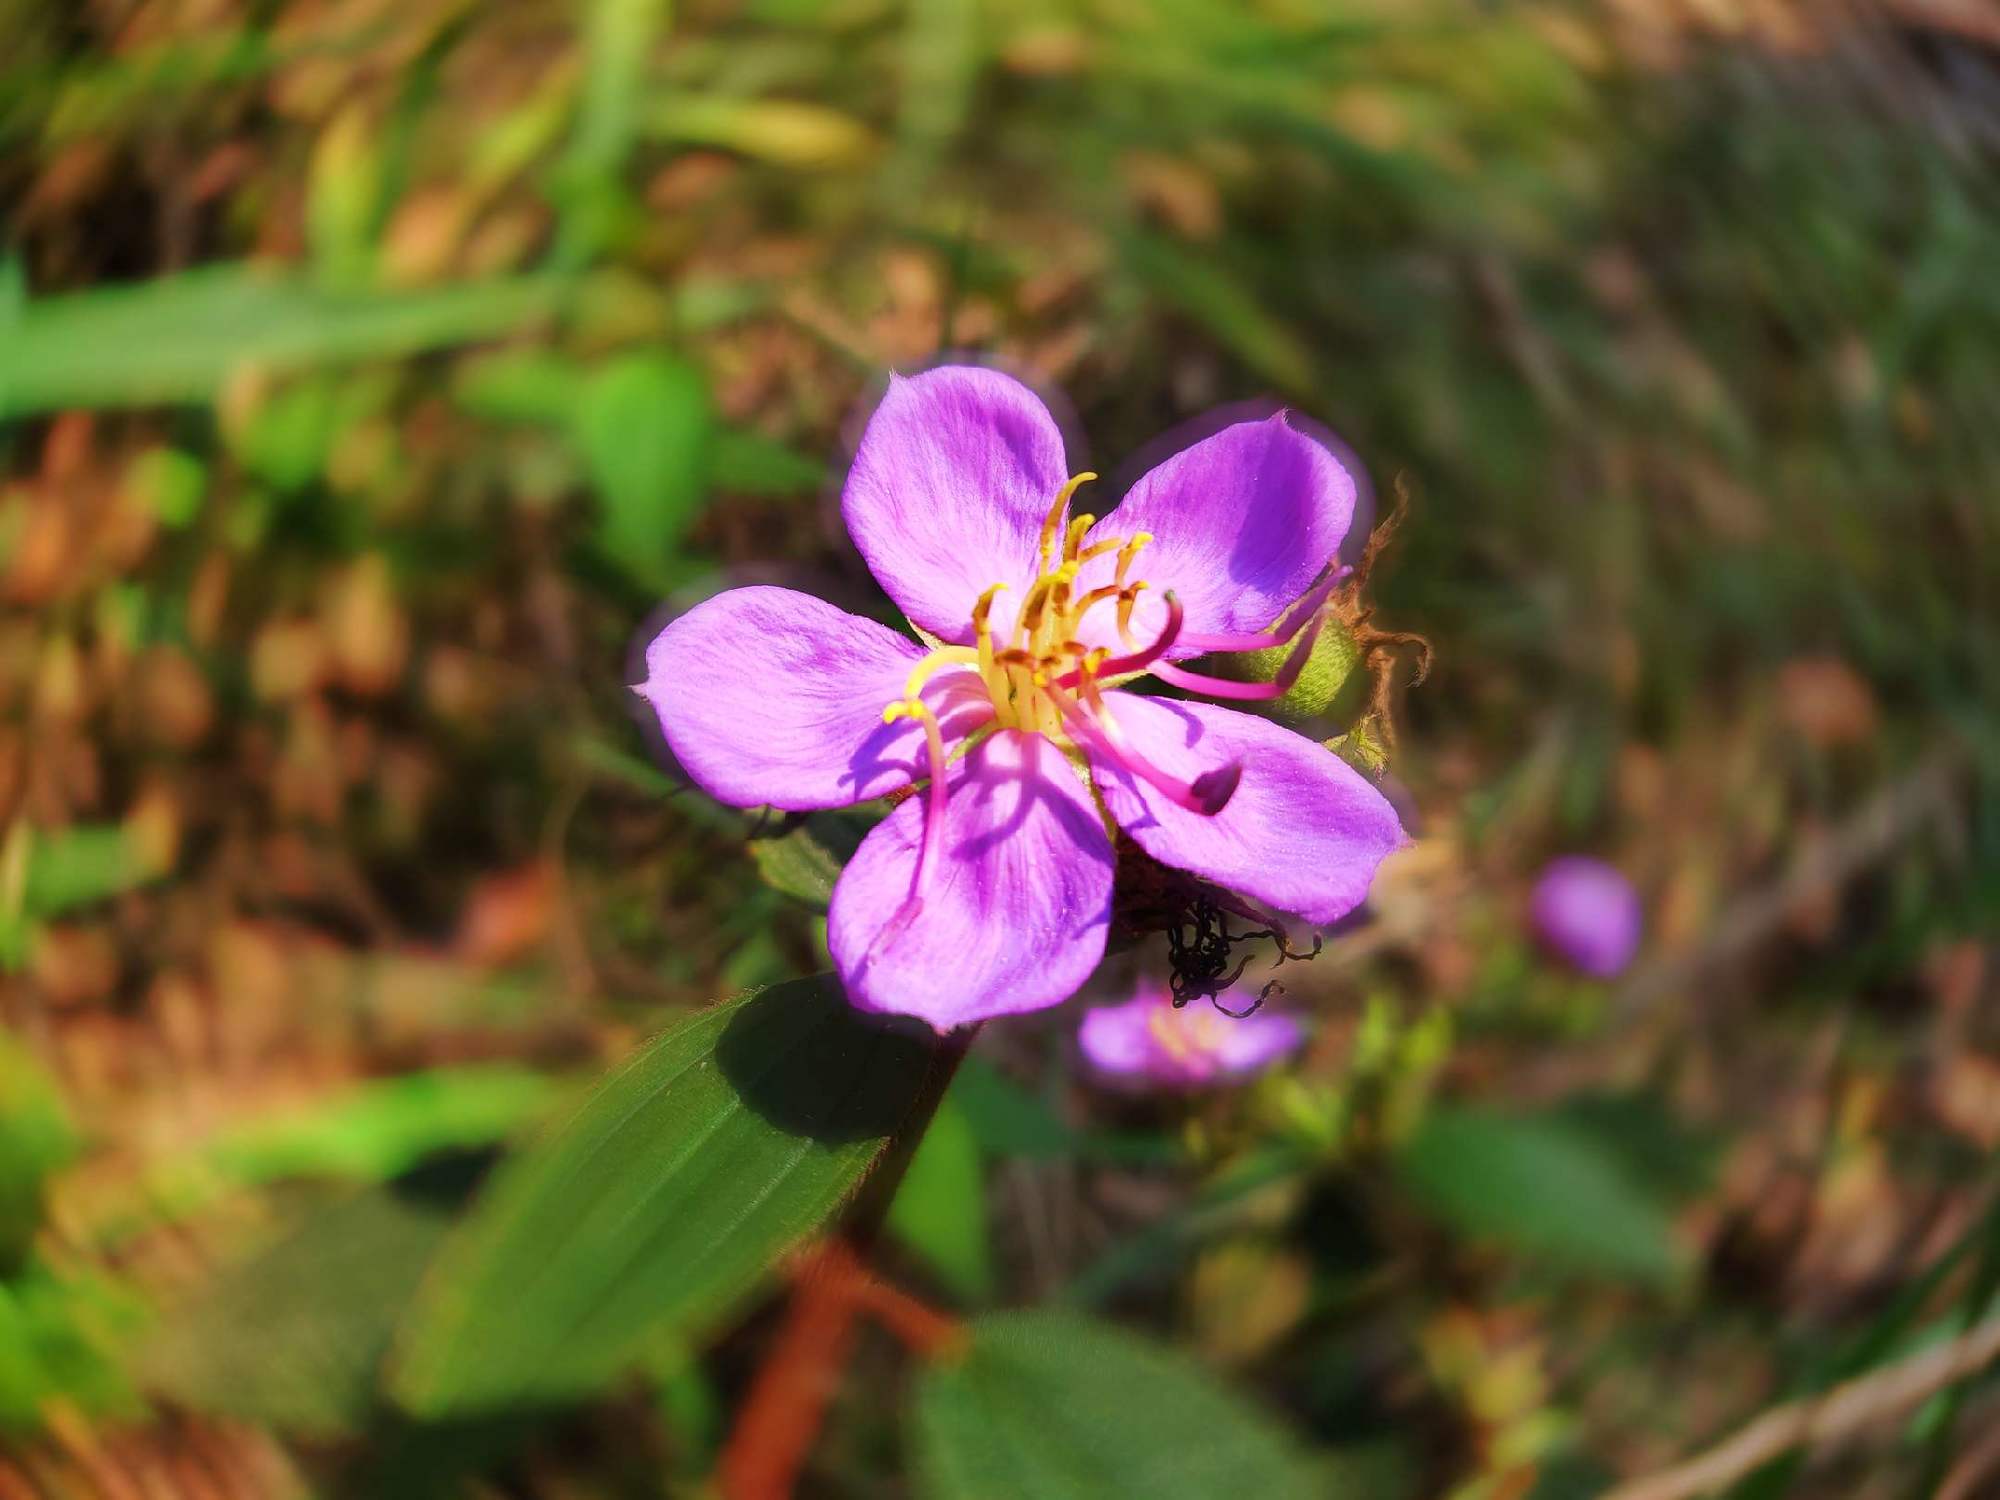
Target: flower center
<point>1029,675</point>
<point>1191,1039</point>
<point>1045,677</point>
<point>1037,672</point>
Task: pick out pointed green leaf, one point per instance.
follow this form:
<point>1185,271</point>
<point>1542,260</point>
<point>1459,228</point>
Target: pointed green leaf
<point>662,1201</point>
<point>805,862</point>
<point>1065,1408</point>
<point>1541,1186</point>
<point>181,337</point>
<point>940,1210</point>
<point>645,426</point>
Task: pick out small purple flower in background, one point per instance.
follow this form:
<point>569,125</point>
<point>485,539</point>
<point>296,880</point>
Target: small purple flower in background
<point>1587,913</point>
<point>1150,1041</point>
<point>991,893</point>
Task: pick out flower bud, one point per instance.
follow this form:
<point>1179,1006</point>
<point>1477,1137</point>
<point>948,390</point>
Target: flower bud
<point>1586,913</point>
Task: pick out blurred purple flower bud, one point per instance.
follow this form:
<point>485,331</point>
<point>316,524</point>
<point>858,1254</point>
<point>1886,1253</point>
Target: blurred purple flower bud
<point>1147,1042</point>
<point>1588,914</point>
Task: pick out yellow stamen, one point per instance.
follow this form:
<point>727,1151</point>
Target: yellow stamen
<point>1035,610</point>
<point>989,673</point>
<point>1099,549</point>
<point>982,610</point>
<point>1083,606</point>
<point>1055,515</point>
<point>1127,597</point>
<point>1025,674</point>
<point>1074,540</point>
<point>943,656</point>
<point>1130,550</point>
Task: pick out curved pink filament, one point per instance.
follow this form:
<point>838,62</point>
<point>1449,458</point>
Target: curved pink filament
<point>1289,624</point>
<point>1245,692</point>
<point>1207,794</point>
<point>1144,657</point>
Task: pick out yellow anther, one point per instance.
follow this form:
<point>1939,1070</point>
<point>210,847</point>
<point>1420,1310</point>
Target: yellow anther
<point>1059,591</point>
<point>1074,540</point>
<point>1130,550</point>
<point>1054,521</point>
<point>984,607</point>
<point>909,708</point>
<point>1098,549</point>
<point>982,633</point>
<point>1031,611</point>
<point>1127,597</point>
<point>1096,596</point>
<point>1028,672</point>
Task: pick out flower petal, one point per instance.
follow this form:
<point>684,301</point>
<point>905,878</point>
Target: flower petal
<point>1254,1042</point>
<point>1013,914</point>
<point>950,484</point>
<point>768,696</point>
<point>1242,523</point>
<point>1588,913</point>
<point>1117,1040</point>
<point>1147,1040</point>
<point>1302,833</point>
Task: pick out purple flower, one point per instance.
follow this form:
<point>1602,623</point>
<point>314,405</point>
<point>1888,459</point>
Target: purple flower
<point>1148,1041</point>
<point>991,892</point>
<point>1587,913</point>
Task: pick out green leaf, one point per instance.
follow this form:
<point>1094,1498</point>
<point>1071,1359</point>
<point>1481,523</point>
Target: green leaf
<point>1542,1187</point>
<point>618,46</point>
<point>286,440</point>
<point>940,1209</point>
<point>80,864</point>
<point>343,199</point>
<point>519,385</point>
<point>662,1202</point>
<point>1065,1408</point>
<point>1225,307</point>
<point>365,1134</point>
<point>178,339</point>
<point>35,1139</point>
<point>805,862</point>
<point>1006,1120</point>
<point>378,1130</point>
<point>65,1333</point>
<point>644,426</point>
<point>171,483</point>
<point>294,1337</point>
<point>788,132</point>
<point>748,463</point>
